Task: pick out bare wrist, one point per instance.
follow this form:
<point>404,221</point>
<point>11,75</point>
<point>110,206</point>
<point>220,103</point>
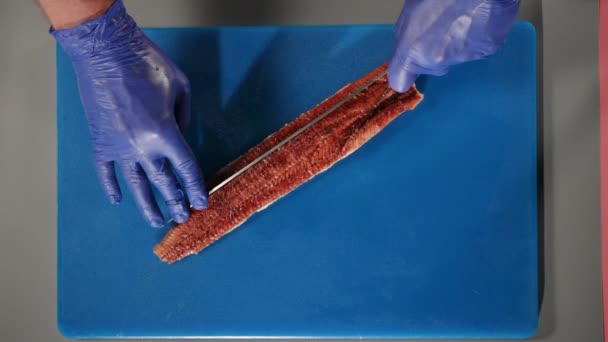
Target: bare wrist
<point>65,14</point>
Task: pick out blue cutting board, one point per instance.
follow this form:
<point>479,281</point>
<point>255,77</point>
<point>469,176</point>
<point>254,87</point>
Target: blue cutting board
<point>429,230</point>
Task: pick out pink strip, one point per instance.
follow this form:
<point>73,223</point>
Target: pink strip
<point>603,74</point>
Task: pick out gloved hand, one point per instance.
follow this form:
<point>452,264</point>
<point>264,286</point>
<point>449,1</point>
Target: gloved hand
<point>432,35</point>
<point>134,98</point>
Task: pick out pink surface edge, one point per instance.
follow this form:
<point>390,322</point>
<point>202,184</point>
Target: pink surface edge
<point>603,78</point>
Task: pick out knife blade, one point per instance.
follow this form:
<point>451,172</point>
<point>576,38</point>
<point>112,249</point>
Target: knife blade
<point>294,134</point>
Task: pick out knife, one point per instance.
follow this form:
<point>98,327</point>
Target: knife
<point>295,134</point>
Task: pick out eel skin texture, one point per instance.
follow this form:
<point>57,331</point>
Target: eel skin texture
<point>310,153</point>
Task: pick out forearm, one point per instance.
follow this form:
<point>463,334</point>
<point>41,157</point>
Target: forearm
<point>64,14</point>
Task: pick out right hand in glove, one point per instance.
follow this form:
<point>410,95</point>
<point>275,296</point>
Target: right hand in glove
<point>432,35</point>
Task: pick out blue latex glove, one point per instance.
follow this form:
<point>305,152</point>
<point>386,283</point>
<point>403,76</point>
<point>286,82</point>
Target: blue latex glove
<point>134,98</point>
<point>432,35</point>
